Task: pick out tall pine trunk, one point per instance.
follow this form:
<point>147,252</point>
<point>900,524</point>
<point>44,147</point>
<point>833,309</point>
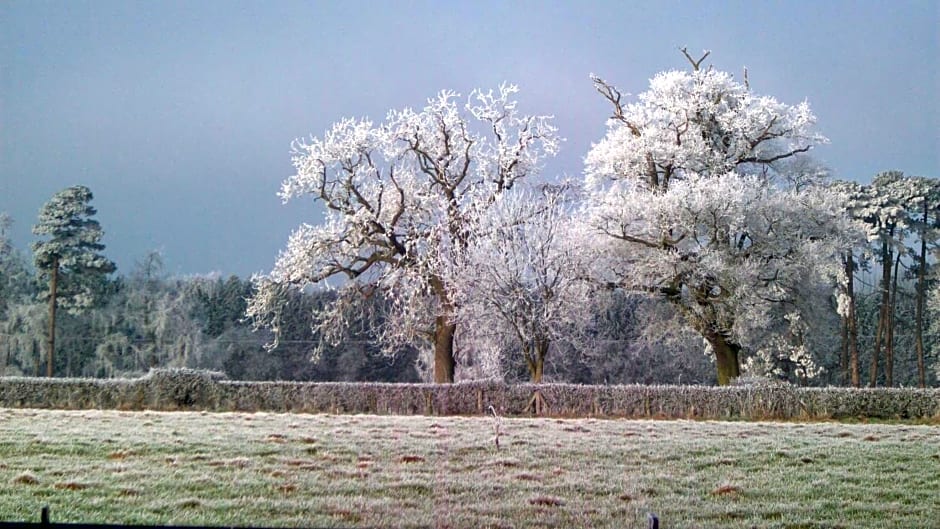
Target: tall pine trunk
<point>886,258</point>
<point>844,350</point>
<point>889,339</point>
<point>851,322</point>
<point>53,286</point>
<point>921,294</point>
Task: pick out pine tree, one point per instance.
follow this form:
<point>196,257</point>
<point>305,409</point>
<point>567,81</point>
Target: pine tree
<point>70,258</point>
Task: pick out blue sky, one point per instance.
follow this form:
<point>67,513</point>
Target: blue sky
<point>179,115</point>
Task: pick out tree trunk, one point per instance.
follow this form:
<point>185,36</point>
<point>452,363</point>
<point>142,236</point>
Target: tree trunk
<point>889,337</point>
<point>886,257</point>
<point>444,350</point>
<point>851,321</point>
<point>53,286</point>
<point>921,294</point>
<point>876,351</point>
<point>37,355</point>
<point>726,358</point>
<point>6,356</point>
<point>537,365</point>
<point>534,375</point>
<point>844,350</point>
<point>536,361</point>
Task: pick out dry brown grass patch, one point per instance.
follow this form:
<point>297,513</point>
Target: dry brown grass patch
<point>546,501</point>
<point>237,462</point>
<point>344,474</point>
<point>26,478</point>
<point>72,485</point>
<point>727,490</point>
<point>344,514</point>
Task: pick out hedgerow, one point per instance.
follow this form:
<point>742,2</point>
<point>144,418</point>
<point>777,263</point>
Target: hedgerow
<point>185,389</point>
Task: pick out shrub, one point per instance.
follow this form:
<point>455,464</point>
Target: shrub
<point>186,389</point>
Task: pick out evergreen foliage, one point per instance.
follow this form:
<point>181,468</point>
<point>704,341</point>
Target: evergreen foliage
<point>69,257</point>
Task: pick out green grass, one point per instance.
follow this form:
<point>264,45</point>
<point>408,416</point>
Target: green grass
<point>382,471</point>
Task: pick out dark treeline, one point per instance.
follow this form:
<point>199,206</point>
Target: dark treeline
<point>147,319</point>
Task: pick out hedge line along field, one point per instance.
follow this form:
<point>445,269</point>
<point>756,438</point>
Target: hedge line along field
<point>390,471</point>
<point>193,390</point>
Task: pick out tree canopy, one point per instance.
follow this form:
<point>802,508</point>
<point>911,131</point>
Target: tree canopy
<point>400,197</point>
<point>689,193</point>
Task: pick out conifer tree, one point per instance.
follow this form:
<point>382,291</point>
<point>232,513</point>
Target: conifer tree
<point>69,258</point>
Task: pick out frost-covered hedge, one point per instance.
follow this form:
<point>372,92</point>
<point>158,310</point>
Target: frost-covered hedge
<point>201,390</point>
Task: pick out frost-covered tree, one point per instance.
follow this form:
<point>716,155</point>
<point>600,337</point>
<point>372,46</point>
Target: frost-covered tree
<point>857,198</point>
<point>68,258</point>
<point>149,321</point>
<point>400,196</point>
<point>689,192</point>
<point>926,224</point>
<point>16,292</point>
<point>521,282</point>
<point>701,122</point>
<point>14,275</point>
<point>932,307</point>
<point>890,208</point>
<point>888,220</point>
<point>22,329</point>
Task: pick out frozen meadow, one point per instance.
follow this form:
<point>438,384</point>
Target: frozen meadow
<point>387,471</point>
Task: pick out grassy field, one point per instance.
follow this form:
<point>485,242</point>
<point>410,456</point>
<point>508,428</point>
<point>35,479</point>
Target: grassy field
<point>380,471</point>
